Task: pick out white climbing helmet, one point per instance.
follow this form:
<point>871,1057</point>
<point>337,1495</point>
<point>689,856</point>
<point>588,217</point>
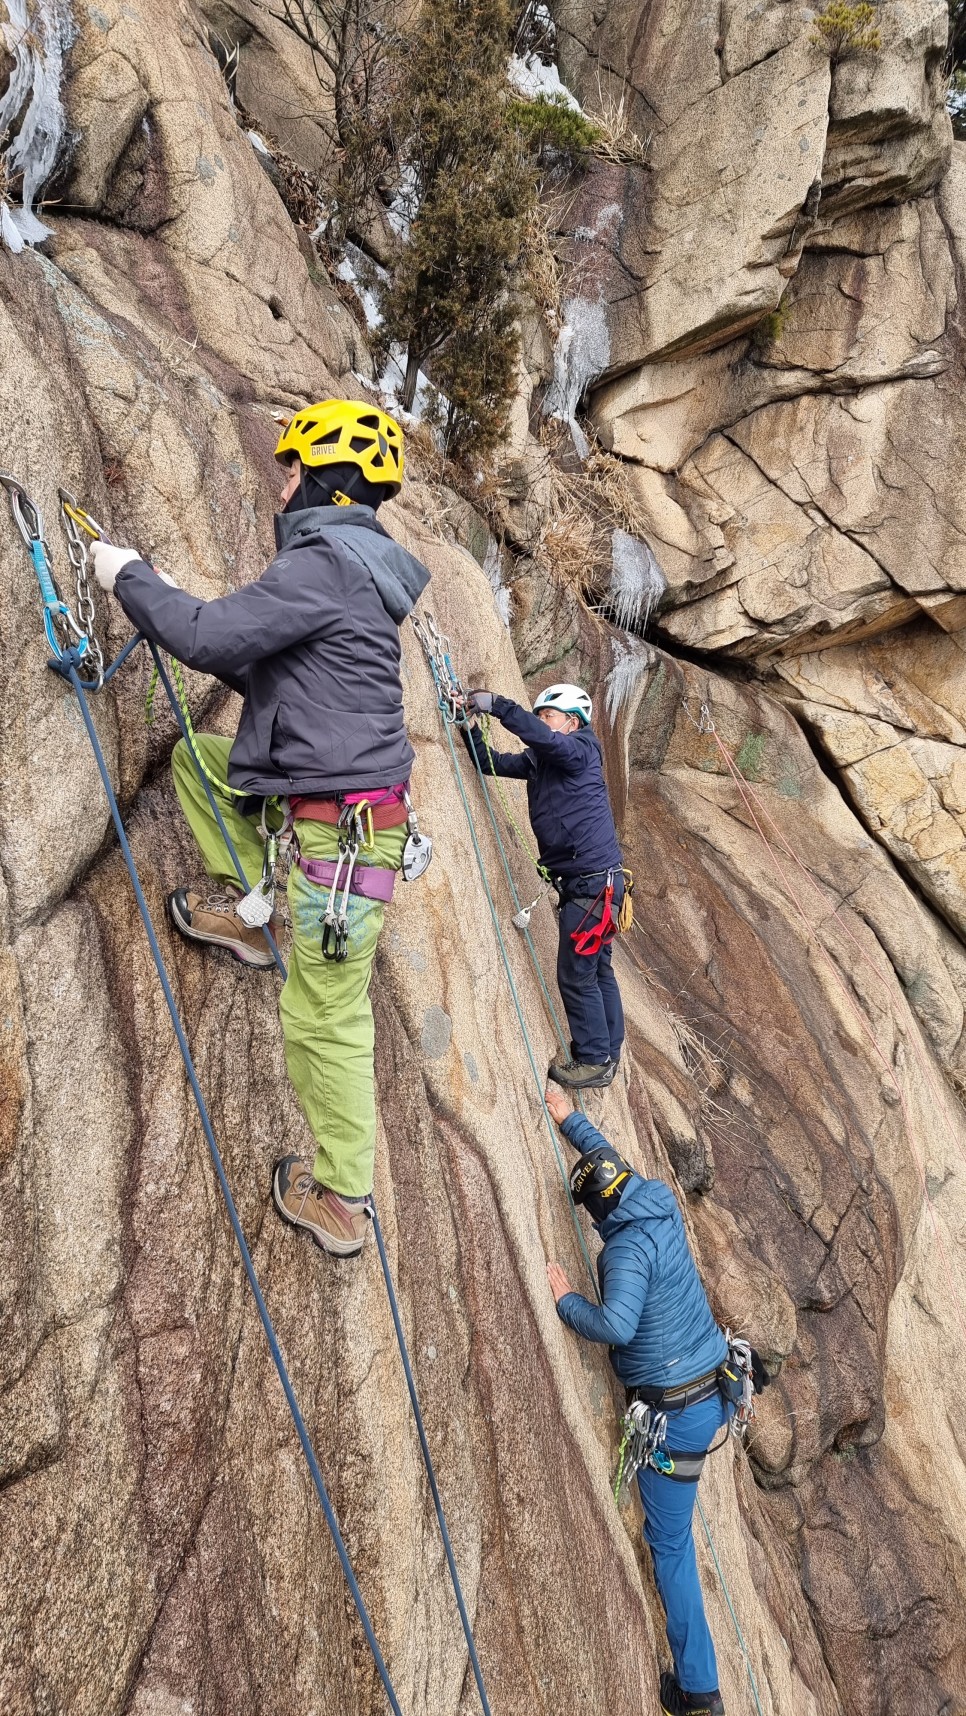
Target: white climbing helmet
<point>569,699</point>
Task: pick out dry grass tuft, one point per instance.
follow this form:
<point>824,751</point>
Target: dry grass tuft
<point>617,141</point>
<point>587,505</point>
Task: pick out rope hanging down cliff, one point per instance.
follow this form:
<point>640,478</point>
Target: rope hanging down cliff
<point>75,649</point>
<point>450,698</point>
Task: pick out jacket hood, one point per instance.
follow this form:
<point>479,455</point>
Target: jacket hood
<point>398,576</point>
<point>642,1201</point>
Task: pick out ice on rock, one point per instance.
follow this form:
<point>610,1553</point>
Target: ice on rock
<point>631,660</point>
<point>493,567</point>
<point>37,36</point>
<point>636,585</point>
<point>581,354</point>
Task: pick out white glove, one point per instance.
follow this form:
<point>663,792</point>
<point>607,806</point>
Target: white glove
<point>107,562</point>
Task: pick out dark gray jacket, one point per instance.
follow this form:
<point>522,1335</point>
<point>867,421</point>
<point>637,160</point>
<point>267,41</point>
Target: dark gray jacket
<point>313,647</point>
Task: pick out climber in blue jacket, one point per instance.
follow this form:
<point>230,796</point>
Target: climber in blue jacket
<point>666,1348</point>
<point>573,825</point>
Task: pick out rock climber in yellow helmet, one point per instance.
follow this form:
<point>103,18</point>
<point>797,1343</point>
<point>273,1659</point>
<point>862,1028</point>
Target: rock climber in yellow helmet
<point>313,648</point>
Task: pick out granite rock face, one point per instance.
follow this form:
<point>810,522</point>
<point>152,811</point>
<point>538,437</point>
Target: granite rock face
<point>795,987</point>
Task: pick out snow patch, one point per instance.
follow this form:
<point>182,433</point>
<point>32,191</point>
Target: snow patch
<point>581,354</point>
<point>636,585</point>
<point>530,77</point>
<point>404,206</point>
<point>610,216</point>
<point>631,660</point>
<point>365,276</point>
<point>258,143</point>
<point>38,37</point>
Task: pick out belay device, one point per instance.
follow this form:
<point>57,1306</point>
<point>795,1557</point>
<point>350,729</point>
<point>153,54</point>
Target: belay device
<point>418,850</point>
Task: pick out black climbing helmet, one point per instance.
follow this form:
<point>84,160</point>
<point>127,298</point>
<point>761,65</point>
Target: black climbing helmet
<point>598,1180</point>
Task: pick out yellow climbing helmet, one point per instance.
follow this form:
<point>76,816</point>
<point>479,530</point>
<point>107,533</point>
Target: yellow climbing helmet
<point>346,432</point>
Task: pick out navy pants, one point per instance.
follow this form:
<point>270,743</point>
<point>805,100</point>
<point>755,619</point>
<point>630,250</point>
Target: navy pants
<point>588,987</point>
<point>668,1512</point>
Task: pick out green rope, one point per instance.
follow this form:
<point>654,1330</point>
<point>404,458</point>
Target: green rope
<point>541,869</point>
<point>191,736</point>
<point>625,1444</point>
<point>538,1080</point>
<point>731,1609</point>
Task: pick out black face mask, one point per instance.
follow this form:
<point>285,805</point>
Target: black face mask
<point>316,488</point>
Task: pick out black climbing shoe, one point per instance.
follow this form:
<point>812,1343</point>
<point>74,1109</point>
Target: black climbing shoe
<point>674,1702</point>
<point>582,1075</point>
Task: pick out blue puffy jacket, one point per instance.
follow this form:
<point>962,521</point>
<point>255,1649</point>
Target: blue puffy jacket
<point>570,812</point>
<point>655,1315</point>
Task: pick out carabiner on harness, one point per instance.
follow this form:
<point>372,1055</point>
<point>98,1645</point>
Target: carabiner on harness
<point>736,1382</point>
<point>643,1435</point>
<point>257,906</point>
<point>335,925</point>
<point>418,850</point>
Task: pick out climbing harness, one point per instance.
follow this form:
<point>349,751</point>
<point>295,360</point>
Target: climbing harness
<point>591,941</point>
<point>73,648</point>
<point>645,1423</point>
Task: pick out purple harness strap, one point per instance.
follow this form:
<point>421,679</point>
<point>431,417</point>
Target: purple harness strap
<point>367,880</point>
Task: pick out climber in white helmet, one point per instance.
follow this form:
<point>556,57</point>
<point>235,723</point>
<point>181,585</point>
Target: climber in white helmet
<point>573,824</point>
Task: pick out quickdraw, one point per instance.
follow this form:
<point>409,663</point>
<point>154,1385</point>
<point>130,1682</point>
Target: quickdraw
<point>256,907</point>
<point>335,925</point>
<point>66,635</point>
<point>643,1434</point>
<point>736,1380</point>
<point>436,647</point>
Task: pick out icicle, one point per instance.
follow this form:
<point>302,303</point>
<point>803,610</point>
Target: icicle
<point>637,583</point>
<point>38,40</point>
<point>631,660</point>
<point>582,353</point>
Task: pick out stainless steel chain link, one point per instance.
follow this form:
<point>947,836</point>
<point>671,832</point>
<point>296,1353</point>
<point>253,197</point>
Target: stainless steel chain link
<point>77,555</point>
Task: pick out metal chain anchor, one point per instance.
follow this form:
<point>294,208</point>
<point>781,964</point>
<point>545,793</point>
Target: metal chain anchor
<point>71,513</point>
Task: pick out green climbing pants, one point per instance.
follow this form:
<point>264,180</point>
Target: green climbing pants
<point>324,1007</point>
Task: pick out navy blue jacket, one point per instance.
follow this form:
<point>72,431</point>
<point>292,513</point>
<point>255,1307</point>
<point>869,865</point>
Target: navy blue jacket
<point>570,812</point>
<point>313,647</point>
<point>655,1315</point>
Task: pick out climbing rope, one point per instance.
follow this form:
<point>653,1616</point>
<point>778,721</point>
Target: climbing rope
<point>73,646</point>
<point>450,694</point>
<point>731,1608</point>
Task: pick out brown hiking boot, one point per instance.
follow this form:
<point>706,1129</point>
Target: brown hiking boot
<point>579,1075</point>
<point>336,1226</point>
<point>216,920</point>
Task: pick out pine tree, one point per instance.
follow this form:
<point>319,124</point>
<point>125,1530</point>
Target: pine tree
<point>471,186</point>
